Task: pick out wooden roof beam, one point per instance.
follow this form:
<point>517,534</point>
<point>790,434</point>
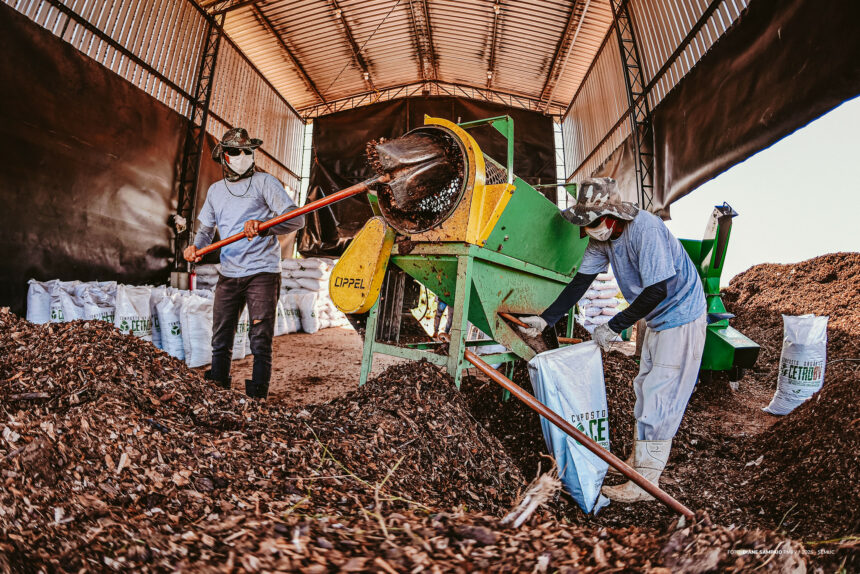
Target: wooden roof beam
<point>423,39</point>
<point>563,50</point>
<point>356,51</point>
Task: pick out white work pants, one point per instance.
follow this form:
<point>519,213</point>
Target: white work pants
<point>668,372</point>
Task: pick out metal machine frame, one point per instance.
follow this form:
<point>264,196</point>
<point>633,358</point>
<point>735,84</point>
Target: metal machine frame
<point>470,264</point>
<point>468,258</point>
<point>726,348</point>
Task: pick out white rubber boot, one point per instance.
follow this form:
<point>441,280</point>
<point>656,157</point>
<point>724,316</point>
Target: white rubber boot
<point>649,460</point>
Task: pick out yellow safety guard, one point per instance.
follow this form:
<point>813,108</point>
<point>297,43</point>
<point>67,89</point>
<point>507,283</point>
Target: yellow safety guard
<point>357,278</point>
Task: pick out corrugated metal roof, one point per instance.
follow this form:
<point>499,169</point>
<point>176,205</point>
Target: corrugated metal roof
<point>517,43</point>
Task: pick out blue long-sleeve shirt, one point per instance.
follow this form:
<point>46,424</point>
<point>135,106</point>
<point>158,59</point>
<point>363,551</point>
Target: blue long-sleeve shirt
<point>229,205</point>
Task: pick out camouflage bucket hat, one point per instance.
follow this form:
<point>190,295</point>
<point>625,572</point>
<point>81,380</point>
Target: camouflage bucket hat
<point>597,197</point>
<point>237,138</point>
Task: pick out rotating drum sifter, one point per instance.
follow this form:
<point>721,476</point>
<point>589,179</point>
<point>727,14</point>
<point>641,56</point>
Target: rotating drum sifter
<point>480,238</point>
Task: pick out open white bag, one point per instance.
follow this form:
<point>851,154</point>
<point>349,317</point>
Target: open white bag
<point>570,381</point>
<point>801,364</point>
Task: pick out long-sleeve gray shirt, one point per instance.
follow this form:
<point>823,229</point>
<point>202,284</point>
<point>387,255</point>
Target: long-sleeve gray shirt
<point>229,205</point>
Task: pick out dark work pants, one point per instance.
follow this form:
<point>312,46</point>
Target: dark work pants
<point>260,292</point>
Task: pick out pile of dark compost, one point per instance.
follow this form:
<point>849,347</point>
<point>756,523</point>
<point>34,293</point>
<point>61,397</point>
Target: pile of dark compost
<point>796,474</point>
<point>115,457</point>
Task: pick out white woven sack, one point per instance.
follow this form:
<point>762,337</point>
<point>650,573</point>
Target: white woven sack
<point>612,302</point>
<point>801,364</point>
<point>312,284</point>
<point>155,296</point>
<point>98,304</point>
<point>289,283</point>
<point>56,288</point>
<point>311,273</point>
<point>240,338</point>
<point>570,381</point>
<point>71,303</point>
<point>598,320</point>
<point>307,307</point>
<point>196,320</point>
<point>39,301</point>
<point>280,318</point>
<point>293,314</point>
<point>608,276</point>
<point>591,311</point>
<point>591,294</point>
<point>290,264</point>
<point>133,312</point>
<point>605,286</point>
<point>168,310</point>
<point>313,263</point>
<point>610,311</point>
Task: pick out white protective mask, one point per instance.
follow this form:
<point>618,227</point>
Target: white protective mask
<point>239,164</point>
<point>599,233</point>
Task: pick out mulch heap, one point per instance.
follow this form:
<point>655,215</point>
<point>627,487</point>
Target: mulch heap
<point>810,459</point>
<point>115,456</point>
<point>797,474</point>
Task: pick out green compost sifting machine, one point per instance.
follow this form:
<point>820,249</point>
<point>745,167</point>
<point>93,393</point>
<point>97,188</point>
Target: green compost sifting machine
<point>486,243</point>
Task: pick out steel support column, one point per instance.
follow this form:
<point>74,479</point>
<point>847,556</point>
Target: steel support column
<point>195,135</point>
<point>641,126</point>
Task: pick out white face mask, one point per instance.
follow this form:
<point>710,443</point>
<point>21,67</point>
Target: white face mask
<point>239,164</point>
<point>599,233</point>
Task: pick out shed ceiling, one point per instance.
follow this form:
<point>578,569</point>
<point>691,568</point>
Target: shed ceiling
<point>323,55</point>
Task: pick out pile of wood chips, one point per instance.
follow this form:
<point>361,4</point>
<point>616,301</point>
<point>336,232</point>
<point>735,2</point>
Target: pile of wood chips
<point>115,456</point>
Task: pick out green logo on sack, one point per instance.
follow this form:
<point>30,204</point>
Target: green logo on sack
<point>123,326</point>
<point>175,330</point>
<point>598,426</point>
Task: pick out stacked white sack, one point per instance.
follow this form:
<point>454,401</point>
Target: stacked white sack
<point>241,341</point>
<point>133,311</point>
<point>179,322</point>
<point>206,276</point>
<point>305,296</point>
<point>60,301</point>
<point>600,302</point>
<point>195,318</point>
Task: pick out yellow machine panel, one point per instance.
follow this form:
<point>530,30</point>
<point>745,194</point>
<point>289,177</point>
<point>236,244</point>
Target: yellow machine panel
<point>482,204</point>
<point>457,227</point>
<point>357,278</point>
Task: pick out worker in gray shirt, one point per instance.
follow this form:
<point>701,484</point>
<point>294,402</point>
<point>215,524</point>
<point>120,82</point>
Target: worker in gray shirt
<point>250,270</point>
<point>656,275</point>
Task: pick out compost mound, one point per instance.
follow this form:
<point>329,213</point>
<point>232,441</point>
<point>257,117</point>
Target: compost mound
<point>421,439</point>
<point>115,456</point>
<point>827,285</point>
<point>810,458</point>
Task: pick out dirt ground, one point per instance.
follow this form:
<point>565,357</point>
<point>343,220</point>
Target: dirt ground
<point>313,369</point>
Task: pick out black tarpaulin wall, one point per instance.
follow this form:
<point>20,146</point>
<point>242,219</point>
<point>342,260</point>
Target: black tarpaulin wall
<point>89,165</point>
<point>339,158</point>
<point>783,64</point>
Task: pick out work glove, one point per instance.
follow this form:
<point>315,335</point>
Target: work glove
<point>604,336</point>
<point>536,325</point>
